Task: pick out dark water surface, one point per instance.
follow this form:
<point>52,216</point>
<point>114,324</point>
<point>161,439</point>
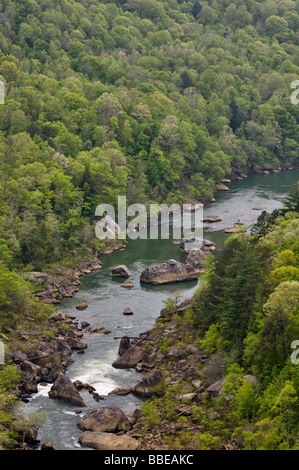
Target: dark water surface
<point>245,200</point>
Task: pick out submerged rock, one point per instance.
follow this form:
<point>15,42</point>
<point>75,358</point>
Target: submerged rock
<point>168,272</point>
<point>121,391</point>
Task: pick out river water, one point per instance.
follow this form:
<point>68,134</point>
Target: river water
<point>245,200</point>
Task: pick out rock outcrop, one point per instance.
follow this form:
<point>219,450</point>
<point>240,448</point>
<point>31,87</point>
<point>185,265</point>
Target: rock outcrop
<point>82,305</point>
<point>129,358</point>
<point>121,271</point>
<point>168,272</point>
<point>64,389</point>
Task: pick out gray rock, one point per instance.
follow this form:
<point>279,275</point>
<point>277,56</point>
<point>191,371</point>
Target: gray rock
<point>121,271</point>
<point>149,385</point>
<point>128,311</point>
<point>124,345</point>
<point>127,285</point>
<point>121,391</point>
<point>196,258</point>
<point>215,390</point>
<point>129,358</point>
<point>98,329</point>
<point>64,389</point>
<point>168,272</point>
<point>106,419</point>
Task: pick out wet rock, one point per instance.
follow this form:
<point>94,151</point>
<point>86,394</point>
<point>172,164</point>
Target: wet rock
<point>129,358</point>
<point>82,305</point>
<point>99,330</point>
<point>35,277</point>
<point>121,391</point>
<point>222,187</point>
<point>121,271</point>
<point>64,389</point>
<point>106,419</point>
<point>81,386</point>
<point>128,311</point>
<point>76,344</point>
<point>124,345</point>
<point>127,285</point>
<point>211,218</point>
<point>107,441</point>
<point>168,272</point>
<point>84,324</point>
<point>51,373</point>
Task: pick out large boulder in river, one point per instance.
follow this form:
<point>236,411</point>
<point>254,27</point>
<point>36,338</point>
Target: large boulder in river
<point>168,272</point>
<point>64,389</point>
<point>121,271</point>
<point>108,441</point>
<point>129,358</point>
<point>106,419</point>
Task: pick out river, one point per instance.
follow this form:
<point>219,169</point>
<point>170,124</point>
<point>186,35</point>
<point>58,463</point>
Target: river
<point>245,200</point>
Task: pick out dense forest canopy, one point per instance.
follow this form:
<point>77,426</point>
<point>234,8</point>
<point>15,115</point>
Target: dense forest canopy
<point>155,100</point>
<point>158,101</point>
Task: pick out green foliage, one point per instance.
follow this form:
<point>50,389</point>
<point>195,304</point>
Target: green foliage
<point>156,100</point>
<point>150,415</point>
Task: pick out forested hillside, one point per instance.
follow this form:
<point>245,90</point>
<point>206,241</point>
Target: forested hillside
<point>156,100</point>
<point>244,318</point>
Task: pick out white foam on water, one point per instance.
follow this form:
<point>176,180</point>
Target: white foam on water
<point>100,376</point>
<point>42,391</point>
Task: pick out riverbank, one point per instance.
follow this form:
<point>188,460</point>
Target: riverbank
<point>94,366</point>
<point>176,378</point>
<point>42,349</point>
